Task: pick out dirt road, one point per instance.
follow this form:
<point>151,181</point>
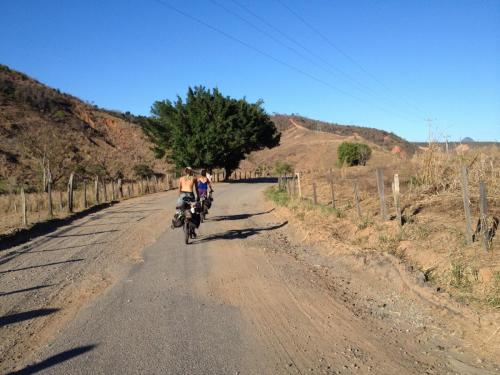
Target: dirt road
<point>245,298</point>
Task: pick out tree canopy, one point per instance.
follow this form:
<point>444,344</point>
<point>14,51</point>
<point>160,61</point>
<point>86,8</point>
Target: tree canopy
<point>353,153</point>
<point>209,130</point>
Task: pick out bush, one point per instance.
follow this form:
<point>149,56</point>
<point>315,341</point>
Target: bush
<point>279,196</point>
<point>283,167</point>
<point>143,171</point>
<point>353,153</point>
<point>59,115</point>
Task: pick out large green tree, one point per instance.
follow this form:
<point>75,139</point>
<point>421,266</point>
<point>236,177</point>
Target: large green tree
<point>209,130</point>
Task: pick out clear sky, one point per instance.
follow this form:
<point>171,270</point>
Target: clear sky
<point>388,64</point>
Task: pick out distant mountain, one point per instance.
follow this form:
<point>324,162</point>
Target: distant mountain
<point>467,140</point>
<point>40,125</point>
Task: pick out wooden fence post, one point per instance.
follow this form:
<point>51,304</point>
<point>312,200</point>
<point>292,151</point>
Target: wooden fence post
<point>381,192</point>
<point>465,196</point>
<point>483,208</point>
<point>24,208</point>
<point>49,193</point>
<point>112,190</point>
<point>61,206</point>
<point>315,196</point>
<point>105,190</point>
<point>96,190</point>
<point>299,185</point>
<point>332,190</point>
<point>120,189</point>
<point>356,199</point>
<point>70,192</point>
<point>85,203</point>
<point>397,203</point>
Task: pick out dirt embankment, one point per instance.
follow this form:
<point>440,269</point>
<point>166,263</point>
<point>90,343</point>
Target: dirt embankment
<point>385,261</point>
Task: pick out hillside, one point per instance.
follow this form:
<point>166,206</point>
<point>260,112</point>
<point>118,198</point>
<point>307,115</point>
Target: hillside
<point>40,125</point>
<point>312,145</point>
<point>379,137</point>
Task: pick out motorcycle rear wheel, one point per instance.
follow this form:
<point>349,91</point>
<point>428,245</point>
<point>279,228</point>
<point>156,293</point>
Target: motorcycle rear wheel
<point>187,231</point>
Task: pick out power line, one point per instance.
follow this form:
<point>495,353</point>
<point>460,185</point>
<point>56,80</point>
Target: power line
<point>345,54</point>
<point>367,89</point>
<point>330,66</point>
<point>269,56</point>
<point>270,36</point>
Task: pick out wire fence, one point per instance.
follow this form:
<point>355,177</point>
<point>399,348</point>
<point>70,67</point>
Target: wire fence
<point>392,196</point>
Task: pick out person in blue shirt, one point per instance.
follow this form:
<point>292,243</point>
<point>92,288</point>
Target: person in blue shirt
<point>204,184</point>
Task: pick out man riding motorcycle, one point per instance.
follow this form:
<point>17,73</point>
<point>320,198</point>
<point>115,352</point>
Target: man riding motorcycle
<point>187,184</point>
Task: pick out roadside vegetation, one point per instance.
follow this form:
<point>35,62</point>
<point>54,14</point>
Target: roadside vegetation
<point>432,239</point>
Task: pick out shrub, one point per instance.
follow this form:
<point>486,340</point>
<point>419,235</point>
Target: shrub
<point>279,196</point>
<point>143,171</point>
<point>59,115</point>
<point>353,153</point>
<point>283,167</point>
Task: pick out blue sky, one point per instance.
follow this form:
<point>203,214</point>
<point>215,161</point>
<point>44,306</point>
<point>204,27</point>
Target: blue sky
<point>387,64</point>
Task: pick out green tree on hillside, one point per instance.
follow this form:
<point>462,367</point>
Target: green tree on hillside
<point>353,153</point>
<point>209,129</point>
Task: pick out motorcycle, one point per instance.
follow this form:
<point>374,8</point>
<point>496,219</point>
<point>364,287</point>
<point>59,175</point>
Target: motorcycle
<point>206,203</point>
<point>188,217</point>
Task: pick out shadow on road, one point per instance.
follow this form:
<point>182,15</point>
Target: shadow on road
<point>258,180</point>
<point>54,360</point>
<point>236,234</point>
<point>42,265</point>
<point>83,234</point>
<point>14,254</point>
<point>24,235</point>
<point>25,290</point>
<point>140,211</point>
<point>19,317</point>
<point>238,217</point>
<point>68,247</point>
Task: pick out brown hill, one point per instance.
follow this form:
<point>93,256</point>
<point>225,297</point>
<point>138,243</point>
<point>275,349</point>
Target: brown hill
<point>312,145</point>
<point>40,125</point>
<point>379,137</point>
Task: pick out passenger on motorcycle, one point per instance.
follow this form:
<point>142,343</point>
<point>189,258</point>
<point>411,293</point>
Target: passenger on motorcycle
<point>204,183</point>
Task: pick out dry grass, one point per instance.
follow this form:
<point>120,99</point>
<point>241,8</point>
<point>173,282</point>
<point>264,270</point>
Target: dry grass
<point>37,203</point>
<point>433,236</point>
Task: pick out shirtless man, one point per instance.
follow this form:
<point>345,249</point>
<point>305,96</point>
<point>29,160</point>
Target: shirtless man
<point>187,184</point>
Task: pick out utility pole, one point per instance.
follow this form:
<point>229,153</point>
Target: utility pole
<point>446,137</point>
<point>429,126</point>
